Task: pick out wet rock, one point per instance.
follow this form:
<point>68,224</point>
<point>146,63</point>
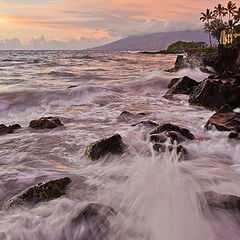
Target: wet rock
<point>184,85</point>
<point>171,127</point>
<point>91,223</point>
<point>113,144</point>
<point>224,201</point>
<point>10,129</point>
<point>127,116</point>
<point>161,147</point>
<point>146,123</point>
<point>213,93</point>
<point>41,192</point>
<point>234,135</point>
<point>158,138</point>
<point>172,82</point>
<point>224,120</point>
<point>45,123</point>
<point>174,136</point>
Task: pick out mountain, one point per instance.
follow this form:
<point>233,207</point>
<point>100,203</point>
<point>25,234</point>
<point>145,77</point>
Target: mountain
<point>154,41</point>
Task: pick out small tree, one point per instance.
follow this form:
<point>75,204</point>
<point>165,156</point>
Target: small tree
<point>206,17</point>
<point>216,26</point>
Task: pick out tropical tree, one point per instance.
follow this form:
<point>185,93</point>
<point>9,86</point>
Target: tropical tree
<point>220,11</point>
<point>230,28</point>
<point>216,26</point>
<point>230,9</point>
<point>237,16</point>
<point>206,17</point>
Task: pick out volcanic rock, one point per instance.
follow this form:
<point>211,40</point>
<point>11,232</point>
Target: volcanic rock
<point>146,123</point>
<point>91,223</point>
<point>184,85</point>
<point>113,144</point>
<point>224,120</point>
<point>161,147</point>
<point>224,201</point>
<point>10,129</point>
<point>41,192</point>
<point>45,123</point>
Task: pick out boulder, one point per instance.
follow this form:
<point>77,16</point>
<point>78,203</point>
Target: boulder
<point>184,85</point>
<point>172,82</point>
<point>41,192</point>
<point>214,93</point>
<point>127,116</point>
<point>10,129</point>
<point>224,201</point>
<point>234,135</point>
<point>161,147</point>
<point>146,123</point>
<point>113,144</point>
<point>91,223</point>
<point>171,127</point>
<point>45,123</point>
<point>224,120</point>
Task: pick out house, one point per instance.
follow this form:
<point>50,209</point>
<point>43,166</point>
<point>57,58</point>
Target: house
<point>227,37</point>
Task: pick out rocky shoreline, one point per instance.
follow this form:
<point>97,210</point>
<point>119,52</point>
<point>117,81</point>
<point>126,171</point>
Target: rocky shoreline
<point>219,92</point>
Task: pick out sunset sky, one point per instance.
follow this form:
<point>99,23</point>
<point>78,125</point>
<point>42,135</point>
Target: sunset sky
<point>98,21</point>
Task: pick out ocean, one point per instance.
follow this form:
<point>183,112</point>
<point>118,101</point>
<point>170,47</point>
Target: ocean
<point>156,197</point>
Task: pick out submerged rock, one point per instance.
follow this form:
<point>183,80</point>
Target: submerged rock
<point>224,201</point>
<point>161,147</point>
<point>127,116</point>
<point>10,129</point>
<point>44,191</point>
<point>234,135</point>
<point>45,123</point>
<point>146,123</point>
<point>214,93</point>
<point>113,144</point>
<point>184,85</point>
<point>171,127</point>
<point>91,223</point>
<point>224,120</point>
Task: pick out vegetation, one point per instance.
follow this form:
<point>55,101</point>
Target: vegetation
<point>214,20</point>
<point>184,46</point>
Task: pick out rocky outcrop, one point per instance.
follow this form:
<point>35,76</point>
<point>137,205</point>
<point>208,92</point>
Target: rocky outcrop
<point>224,120</point>
<point>45,123</point>
<point>167,138</point>
<point>41,192</point>
<point>216,91</point>
<point>224,201</point>
<point>113,144</point>
<point>184,85</point>
<point>10,129</point>
<point>126,116</point>
<point>92,222</point>
<point>171,127</point>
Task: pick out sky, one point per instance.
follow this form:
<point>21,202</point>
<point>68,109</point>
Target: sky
<point>87,23</point>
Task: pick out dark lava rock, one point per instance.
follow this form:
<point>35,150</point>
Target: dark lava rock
<point>146,123</point>
<point>174,136</point>
<point>172,82</point>
<point>161,147</point>
<point>158,138</point>
<point>113,144</point>
<point>127,116</point>
<point>234,135</point>
<point>184,85</point>
<point>90,223</point>
<point>44,191</point>
<point>224,120</point>
<point>171,127</point>
<point>214,93</point>
<point>10,129</point>
<point>224,201</point>
<point>45,123</point>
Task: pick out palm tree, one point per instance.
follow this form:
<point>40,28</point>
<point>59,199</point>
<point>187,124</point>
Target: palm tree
<point>231,9</point>
<point>220,11</point>
<point>206,17</point>
<point>230,29</point>
<point>237,16</point>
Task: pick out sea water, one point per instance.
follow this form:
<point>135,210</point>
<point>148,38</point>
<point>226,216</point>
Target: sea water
<point>156,197</point>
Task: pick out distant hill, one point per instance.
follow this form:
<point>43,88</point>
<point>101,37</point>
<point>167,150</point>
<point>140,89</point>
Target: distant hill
<point>154,41</point>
